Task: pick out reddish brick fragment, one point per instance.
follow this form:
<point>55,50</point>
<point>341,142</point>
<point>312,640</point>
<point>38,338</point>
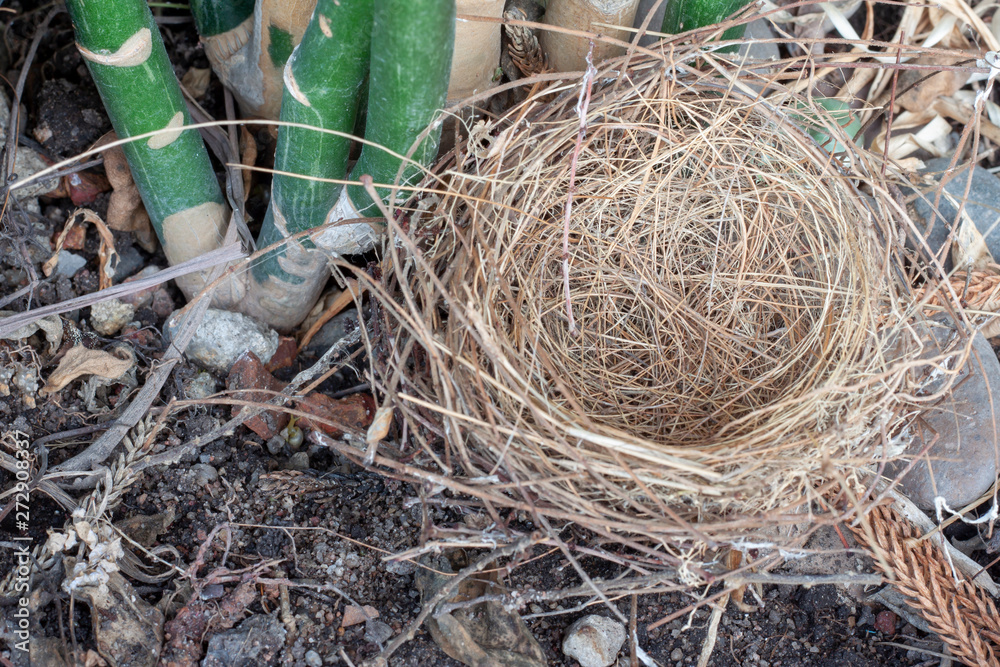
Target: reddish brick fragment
<point>284,356</point>
<point>249,373</point>
<point>355,411</point>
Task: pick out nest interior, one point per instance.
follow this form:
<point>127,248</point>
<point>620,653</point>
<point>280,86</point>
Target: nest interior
<point>716,344</point>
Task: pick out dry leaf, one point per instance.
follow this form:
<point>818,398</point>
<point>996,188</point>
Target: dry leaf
<point>51,325</point>
<point>107,253</point>
<point>923,94</point>
<point>380,426</point>
<point>932,137</point>
<point>126,212</point>
<point>248,157</point>
<point>196,80</point>
<point>80,361</point>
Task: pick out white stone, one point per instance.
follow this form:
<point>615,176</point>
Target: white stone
<point>108,317</point>
<point>223,336</point>
<point>594,641</point>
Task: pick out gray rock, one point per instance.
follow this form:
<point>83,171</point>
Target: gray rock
<point>26,163</point>
<point>299,461</point>
<point>255,641</point>
<point>204,474</point>
<point>26,160</point>
<point>108,317</point>
<point>129,261</point>
<point>377,632</point>
<point>333,331</point>
<point>962,463</point>
<point>201,385</point>
<point>983,206</point>
<point>594,641</point>
<point>313,659</point>
<point>223,337</point>
<point>69,263</point>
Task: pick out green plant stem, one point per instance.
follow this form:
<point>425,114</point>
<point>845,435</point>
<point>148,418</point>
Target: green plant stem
<point>214,17</point>
<point>683,15</point>
<point>127,59</point>
<point>412,44</point>
<point>323,80</point>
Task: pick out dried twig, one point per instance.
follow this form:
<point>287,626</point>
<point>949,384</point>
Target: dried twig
<point>582,105</point>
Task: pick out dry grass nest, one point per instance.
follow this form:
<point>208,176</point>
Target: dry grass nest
<point>738,300</point>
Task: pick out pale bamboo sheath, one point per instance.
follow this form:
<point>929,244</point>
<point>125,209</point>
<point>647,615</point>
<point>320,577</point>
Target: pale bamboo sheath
<point>477,48</point>
<point>568,53</point>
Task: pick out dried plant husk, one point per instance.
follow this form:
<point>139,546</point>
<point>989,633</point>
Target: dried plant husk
<point>746,329</point>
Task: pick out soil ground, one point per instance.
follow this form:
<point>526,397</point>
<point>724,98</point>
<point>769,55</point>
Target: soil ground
<point>337,536</point>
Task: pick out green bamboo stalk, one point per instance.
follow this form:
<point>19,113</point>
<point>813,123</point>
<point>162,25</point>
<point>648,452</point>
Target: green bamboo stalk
<point>683,15</point>
<point>127,59</point>
<point>215,17</point>
<point>412,44</point>
<point>323,81</point>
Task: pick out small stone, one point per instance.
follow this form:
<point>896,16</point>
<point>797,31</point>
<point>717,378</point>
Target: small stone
<point>885,622</point>
<point>204,474</point>
<point>69,263</point>
<point>400,567</point>
<point>129,261</point>
<point>108,317</point>
<point>299,461</point>
<point>26,163</point>
<point>313,659</point>
<point>223,336</point>
<point>377,632</point>
<point>353,615</point>
<point>142,298</point>
<point>255,641</point>
<point>163,303</point>
<point>594,641</point>
<point>962,465</point>
<point>677,655</point>
<point>333,331</point>
<point>981,206</point>
<point>200,386</point>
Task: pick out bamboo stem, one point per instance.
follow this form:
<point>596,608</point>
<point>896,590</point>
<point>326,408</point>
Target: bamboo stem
<point>568,53</point>
<point>322,80</point>
<point>127,59</point>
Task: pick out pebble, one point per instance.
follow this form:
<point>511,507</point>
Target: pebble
<point>108,317</point>
<point>222,337</point>
<point>142,298</point>
<point>982,206</point>
<point>69,263</point>
<point>885,622</point>
<point>377,632</point>
<point>255,641</point>
<point>962,465</point>
<point>333,331</point>
<point>202,385</point>
<point>677,655</point>
<point>313,659</point>
<point>203,474</point>
<point>299,461</point>
<point>594,641</point>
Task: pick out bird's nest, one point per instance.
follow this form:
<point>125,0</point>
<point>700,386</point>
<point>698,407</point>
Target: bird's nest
<point>727,339</point>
